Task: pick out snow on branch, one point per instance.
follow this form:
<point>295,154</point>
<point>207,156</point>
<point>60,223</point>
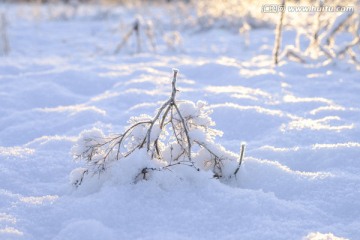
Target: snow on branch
<point>323,46</point>
<point>338,23</point>
<point>180,133</point>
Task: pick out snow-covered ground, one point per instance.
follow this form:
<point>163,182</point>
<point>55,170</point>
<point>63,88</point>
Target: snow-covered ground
<point>300,177</point>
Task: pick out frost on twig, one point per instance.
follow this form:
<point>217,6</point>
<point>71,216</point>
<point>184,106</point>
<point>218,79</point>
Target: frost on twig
<point>338,23</point>
<point>323,45</point>
<point>180,134</point>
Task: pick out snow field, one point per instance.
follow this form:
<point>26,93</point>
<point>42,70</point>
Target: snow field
<point>299,180</point>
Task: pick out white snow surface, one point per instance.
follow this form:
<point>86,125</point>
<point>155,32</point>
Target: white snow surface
<point>300,178</point>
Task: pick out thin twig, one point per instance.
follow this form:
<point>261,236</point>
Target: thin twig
<point>242,152</point>
<point>124,41</point>
<point>137,32</point>
<point>278,36</point>
<point>185,130</point>
<point>148,134</point>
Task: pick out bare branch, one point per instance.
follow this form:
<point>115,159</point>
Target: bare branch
<point>99,153</point>
<point>185,130</point>
<point>242,152</point>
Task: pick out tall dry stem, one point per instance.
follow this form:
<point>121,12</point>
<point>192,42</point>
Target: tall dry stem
<point>278,36</point>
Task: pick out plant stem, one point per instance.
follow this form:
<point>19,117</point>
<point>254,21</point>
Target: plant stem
<point>278,36</point>
<point>242,151</point>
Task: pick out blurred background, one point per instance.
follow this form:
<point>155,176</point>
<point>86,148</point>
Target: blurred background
<point>163,23</point>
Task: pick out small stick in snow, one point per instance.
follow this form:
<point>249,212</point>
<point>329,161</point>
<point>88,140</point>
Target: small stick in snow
<point>136,29</point>
<point>137,32</point>
<point>242,152</point>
